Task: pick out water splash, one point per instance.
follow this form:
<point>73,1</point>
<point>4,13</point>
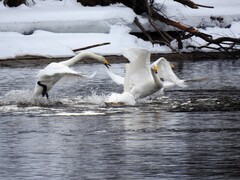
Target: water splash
<point>94,98</point>
<point>25,98</point>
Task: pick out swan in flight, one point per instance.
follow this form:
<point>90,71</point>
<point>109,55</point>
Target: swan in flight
<point>53,72</point>
<point>143,79</point>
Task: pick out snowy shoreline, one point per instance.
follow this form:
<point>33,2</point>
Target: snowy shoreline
<point>34,61</point>
<point>52,29</point>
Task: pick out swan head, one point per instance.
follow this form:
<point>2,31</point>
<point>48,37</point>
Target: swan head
<point>155,69</point>
<point>106,63</point>
<point>103,60</point>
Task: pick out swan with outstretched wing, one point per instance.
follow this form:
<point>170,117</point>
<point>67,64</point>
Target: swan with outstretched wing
<point>142,79</point>
<point>54,72</point>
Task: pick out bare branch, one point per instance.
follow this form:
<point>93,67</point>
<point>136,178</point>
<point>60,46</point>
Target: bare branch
<point>136,21</point>
<point>92,46</point>
<point>191,4</point>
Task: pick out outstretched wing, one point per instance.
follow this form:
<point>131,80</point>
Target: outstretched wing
<point>165,72</point>
<point>116,78</point>
<point>137,71</point>
<point>57,71</point>
<point>75,77</point>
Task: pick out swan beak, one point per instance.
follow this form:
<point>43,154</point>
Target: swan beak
<point>106,63</point>
<point>155,69</point>
<point>172,66</point>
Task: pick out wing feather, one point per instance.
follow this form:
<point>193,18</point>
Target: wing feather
<point>137,71</point>
<point>165,71</point>
<point>116,78</point>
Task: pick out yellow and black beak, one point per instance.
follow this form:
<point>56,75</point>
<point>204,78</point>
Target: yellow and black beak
<point>155,69</point>
<point>172,66</point>
<point>106,63</point>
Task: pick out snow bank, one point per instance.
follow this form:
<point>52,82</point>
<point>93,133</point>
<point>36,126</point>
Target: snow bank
<point>64,17</point>
<point>54,28</point>
<point>201,18</point>
<point>48,44</point>
<point>69,16</point>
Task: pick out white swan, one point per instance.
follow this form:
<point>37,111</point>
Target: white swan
<point>142,79</point>
<point>53,72</point>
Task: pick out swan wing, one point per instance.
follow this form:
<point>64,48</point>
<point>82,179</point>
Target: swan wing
<point>116,78</point>
<point>56,68</point>
<point>137,71</point>
<point>68,77</point>
<point>121,99</point>
<point>57,71</point>
<point>165,71</point>
<point>168,84</point>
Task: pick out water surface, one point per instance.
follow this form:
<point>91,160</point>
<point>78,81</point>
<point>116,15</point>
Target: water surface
<point>190,133</point>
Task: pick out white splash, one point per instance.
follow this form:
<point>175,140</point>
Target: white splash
<point>25,98</point>
<point>85,113</point>
<point>94,98</point>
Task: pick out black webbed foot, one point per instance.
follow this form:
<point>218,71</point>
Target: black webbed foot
<point>46,95</point>
<point>44,92</point>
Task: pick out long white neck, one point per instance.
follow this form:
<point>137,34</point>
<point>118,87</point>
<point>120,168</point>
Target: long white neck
<point>156,79</point>
<point>79,57</point>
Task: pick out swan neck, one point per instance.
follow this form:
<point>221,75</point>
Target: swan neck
<point>156,78</point>
<point>79,57</point>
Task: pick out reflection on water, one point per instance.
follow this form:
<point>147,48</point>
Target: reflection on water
<point>185,134</point>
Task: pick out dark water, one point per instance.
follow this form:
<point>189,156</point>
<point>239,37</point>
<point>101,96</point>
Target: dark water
<point>190,133</point>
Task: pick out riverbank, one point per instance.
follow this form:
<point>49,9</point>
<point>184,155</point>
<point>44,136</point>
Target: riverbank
<point>33,61</point>
<point>56,28</point>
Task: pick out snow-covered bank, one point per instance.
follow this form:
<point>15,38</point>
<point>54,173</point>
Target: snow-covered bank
<point>55,28</point>
<point>202,17</point>
<point>42,43</point>
<point>64,18</point>
<point>71,17</point>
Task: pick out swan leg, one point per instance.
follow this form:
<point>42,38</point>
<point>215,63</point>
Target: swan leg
<point>44,92</point>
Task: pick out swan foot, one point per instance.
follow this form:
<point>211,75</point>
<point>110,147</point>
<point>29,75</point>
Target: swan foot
<point>44,92</point>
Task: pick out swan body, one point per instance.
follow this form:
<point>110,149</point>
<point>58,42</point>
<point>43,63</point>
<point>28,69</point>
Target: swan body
<point>53,72</point>
<point>143,79</point>
<point>117,99</point>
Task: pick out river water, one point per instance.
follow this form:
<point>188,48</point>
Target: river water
<point>187,133</point>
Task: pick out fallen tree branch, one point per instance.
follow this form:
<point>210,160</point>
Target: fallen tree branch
<point>191,4</point>
<point>136,21</point>
<point>149,7</point>
<point>151,40</point>
<point>92,46</point>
